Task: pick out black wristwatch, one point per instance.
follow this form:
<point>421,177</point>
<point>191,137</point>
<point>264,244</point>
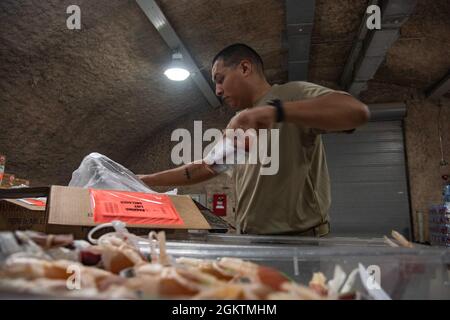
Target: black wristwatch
<point>278,104</point>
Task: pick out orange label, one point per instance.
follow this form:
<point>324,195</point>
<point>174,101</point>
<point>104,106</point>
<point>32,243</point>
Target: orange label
<point>133,207</point>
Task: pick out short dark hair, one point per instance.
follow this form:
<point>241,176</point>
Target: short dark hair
<point>235,53</point>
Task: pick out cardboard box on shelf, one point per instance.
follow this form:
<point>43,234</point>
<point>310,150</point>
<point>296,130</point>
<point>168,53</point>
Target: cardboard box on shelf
<point>70,210</point>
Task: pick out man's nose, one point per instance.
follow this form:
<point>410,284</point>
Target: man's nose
<point>219,91</point>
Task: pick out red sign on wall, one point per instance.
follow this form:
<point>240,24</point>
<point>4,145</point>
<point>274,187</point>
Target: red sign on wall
<point>220,204</point>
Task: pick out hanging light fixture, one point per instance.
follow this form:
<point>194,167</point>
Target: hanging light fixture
<point>177,70</point>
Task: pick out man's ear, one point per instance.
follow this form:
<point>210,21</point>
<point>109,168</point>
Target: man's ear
<point>246,67</point>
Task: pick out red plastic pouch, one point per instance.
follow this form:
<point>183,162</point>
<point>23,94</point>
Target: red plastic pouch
<point>133,207</point>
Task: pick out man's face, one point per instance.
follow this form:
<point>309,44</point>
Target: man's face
<point>231,85</point>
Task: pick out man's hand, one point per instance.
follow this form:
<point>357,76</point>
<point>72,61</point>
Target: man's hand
<point>147,179</point>
<point>262,117</point>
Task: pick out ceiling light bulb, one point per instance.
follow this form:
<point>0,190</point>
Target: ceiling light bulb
<point>177,71</point>
<point>177,74</point>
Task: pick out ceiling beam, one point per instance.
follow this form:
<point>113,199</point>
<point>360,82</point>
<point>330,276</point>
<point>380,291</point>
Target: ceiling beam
<point>371,46</point>
<point>440,88</point>
<point>299,25</point>
<point>162,25</point>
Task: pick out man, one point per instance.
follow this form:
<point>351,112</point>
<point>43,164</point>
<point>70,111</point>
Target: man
<point>296,200</point>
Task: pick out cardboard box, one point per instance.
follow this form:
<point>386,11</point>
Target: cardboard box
<point>16,215</point>
<point>68,210</point>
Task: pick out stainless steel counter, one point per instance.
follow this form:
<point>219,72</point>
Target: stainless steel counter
<point>419,273</point>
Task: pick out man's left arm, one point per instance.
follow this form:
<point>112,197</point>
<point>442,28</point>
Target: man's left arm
<point>330,112</point>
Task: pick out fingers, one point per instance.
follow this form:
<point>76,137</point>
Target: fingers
<point>244,120</point>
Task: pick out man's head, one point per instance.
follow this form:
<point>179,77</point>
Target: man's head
<point>235,71</point>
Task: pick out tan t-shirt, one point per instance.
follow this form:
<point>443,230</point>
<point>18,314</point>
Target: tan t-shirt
<point>297,198</point>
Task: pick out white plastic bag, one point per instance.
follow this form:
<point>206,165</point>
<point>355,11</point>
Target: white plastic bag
<point>99,172</point>
<point>226,153</point>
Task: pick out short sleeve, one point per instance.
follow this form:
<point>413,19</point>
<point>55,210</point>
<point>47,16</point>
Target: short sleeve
<point>311,90</point>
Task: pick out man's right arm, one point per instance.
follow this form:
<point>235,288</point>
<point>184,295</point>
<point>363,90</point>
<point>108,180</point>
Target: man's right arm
<point>191,173</point>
